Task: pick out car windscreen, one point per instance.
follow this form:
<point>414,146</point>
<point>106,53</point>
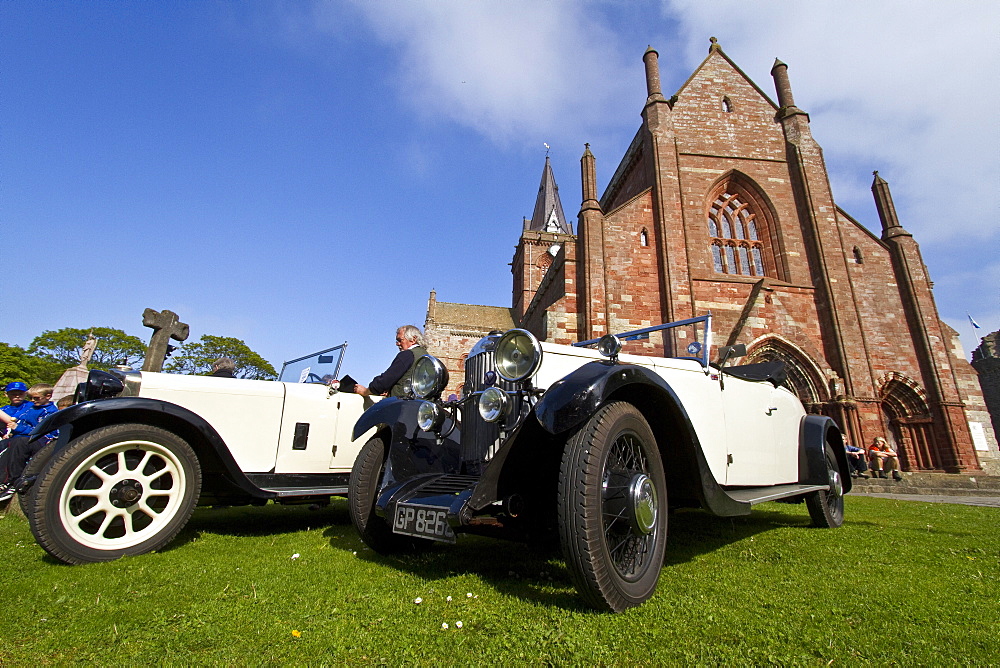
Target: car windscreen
<point>318,367</point>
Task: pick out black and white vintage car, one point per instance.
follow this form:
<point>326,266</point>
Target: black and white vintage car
<point>140,450</point>
<point>593,446</point>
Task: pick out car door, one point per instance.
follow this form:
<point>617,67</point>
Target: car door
<point>750,417</point>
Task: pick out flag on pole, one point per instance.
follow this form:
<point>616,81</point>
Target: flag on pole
<point>974,323</point>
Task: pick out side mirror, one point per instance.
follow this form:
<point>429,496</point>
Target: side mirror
<point>727,353</point>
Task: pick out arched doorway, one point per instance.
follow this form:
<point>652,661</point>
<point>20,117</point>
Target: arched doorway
<point>908,425</point>
<point>803,376</point>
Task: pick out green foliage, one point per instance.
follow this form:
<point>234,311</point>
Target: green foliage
<point>901,583</point>
<point>113,347</point>
<point>17,364</point>
<point>197,358</point>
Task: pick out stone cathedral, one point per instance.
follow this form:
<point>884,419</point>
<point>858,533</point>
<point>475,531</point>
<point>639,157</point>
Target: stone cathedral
<point>722,204</point>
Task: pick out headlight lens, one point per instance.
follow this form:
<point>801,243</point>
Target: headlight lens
<point>429,377</point>
<point>518,355</point>
<point>609,345</point>
<point>492,404</point>
<point>428,415</point>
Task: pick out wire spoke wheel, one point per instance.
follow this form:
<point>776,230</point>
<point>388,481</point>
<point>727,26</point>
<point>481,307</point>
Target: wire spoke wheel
<point>120,490</point>
<point>613,508</point>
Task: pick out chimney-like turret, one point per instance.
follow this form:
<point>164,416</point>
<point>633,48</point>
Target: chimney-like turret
<point>588,177</point>
<point>886,209</point>
<point>652,60</point>
<point>779,72</point>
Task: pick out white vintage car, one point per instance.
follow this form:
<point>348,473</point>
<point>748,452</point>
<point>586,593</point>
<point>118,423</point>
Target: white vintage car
<point>592,446</point>
<point>140,450</point>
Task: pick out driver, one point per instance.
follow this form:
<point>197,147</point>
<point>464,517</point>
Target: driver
<point>394,380</point>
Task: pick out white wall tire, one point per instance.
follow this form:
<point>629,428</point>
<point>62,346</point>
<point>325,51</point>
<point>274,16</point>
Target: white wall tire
<point>120,490</point>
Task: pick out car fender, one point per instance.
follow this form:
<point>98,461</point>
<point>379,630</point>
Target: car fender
<point>570,401</point>
<point>574,398</point>
<point>79,419</point>
<point>411,452</point>
<point>383,414</point>
<point>815,432</point>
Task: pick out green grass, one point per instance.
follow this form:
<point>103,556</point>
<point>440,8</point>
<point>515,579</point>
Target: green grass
<point>901,583</point>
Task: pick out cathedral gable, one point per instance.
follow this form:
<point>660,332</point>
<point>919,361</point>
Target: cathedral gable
<point>720,112</point>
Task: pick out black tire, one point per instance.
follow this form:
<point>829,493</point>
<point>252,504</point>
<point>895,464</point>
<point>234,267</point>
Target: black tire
<point>826,508</point>
<point>120,490</point>
<point>362,494</point>
<point>34,467</point>
<point>613,508</point>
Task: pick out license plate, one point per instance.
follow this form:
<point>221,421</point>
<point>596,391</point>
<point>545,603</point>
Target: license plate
<point>423,521</point>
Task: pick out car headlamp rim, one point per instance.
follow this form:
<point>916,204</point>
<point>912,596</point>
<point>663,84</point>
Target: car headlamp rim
<point>609,345</point>
<point>428,416</point>
<point>493,403</point>
<point>429,377</point>
<point>518,355</point>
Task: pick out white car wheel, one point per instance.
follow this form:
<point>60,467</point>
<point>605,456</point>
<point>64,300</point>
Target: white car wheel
<point>121,490</point>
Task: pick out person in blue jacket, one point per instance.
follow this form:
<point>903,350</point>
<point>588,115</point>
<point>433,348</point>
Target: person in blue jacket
<point>15,395</point>
<point>19,450</point>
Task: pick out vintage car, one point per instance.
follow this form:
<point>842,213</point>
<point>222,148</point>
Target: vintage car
<point>592,446</point>
<point>140,450</point>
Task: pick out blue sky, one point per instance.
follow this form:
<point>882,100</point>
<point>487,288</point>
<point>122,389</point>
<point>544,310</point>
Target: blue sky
<point>298,174</point>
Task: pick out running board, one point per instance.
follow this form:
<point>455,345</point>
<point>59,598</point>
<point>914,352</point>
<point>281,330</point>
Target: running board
<point>755,495</point>
<point>287,492</point>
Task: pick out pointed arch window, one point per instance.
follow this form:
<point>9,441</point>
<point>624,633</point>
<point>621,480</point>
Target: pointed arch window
<point>737,246</point>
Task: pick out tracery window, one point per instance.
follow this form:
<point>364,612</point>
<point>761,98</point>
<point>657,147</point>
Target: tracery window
<point>737,247</point>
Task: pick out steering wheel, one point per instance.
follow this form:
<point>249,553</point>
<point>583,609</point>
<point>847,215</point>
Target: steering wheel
<point>313,378</point>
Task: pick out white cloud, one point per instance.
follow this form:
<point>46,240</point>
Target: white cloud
<point>505,69</point>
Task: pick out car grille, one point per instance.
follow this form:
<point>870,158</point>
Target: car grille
<point>480,438</point>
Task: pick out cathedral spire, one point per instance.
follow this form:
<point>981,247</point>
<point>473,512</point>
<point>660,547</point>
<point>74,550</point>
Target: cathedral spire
<point>548,215</point>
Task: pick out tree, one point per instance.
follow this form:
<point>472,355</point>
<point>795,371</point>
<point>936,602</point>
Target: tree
<point>113,347</point>
<point>197,358</point>
<point>17,364</point>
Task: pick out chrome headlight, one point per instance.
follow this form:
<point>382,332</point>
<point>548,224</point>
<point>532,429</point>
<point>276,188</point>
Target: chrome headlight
<point>428,415</point>
<point>518,355</point>
<point>429,377</point>
<point>609,345</point>
<point>492,404</point>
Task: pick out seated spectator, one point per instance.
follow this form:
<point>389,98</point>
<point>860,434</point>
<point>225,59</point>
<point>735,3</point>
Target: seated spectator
<point>883,459</point>
<point>19,450</point>
<point>224,367</point>
<point>65,402</point>
<point>8,414</point>
<point>856,458</point>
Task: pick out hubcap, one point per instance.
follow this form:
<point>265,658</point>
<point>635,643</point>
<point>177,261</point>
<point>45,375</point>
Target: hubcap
<point>125,493</point>
<point>642,503</point>
<point>630,506</point>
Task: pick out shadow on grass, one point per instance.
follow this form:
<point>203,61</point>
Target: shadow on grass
<point>272,519</point>
<point>540,576</point>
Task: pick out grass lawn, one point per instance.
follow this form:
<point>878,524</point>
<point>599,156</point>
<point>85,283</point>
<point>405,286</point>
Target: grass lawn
<point>901,583</point>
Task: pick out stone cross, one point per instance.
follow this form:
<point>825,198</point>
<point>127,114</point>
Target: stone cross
<point>165,326</point>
